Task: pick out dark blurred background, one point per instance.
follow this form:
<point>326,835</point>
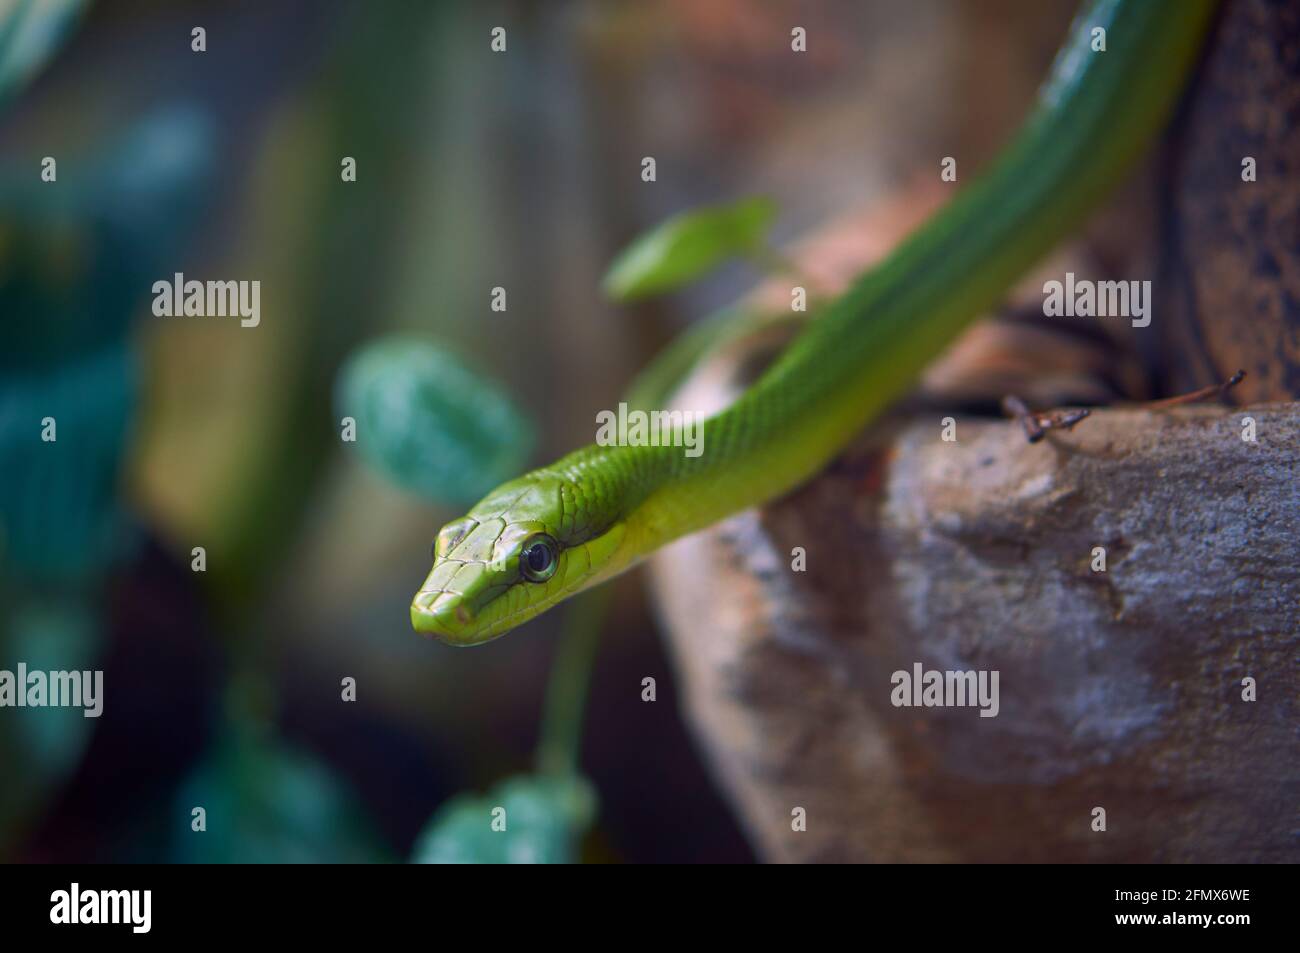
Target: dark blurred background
<point>474,170</point>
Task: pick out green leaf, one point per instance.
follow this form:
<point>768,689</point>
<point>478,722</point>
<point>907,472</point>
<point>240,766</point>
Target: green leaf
<point>266,803</point>
<point>687,246</point>
<point>58,498</point>
<point>431,424</point>
<point>30,32</point>
<point>543,818</point>
<point>41,747</point>
<point>78,259</point>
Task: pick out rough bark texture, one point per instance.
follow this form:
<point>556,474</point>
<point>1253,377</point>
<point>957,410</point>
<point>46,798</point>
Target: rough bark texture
<point>1119,689</point>
<point>1231,248</point>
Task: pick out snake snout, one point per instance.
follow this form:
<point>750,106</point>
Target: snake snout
<point>444,615</point>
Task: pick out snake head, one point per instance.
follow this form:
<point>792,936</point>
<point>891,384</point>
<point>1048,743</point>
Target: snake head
<point>521,550</point>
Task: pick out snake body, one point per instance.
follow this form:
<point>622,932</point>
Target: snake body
<point>551,533</point>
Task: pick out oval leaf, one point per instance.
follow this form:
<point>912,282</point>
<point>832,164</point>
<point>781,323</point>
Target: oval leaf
<point>266,803</point>
<point>431,424</point>
<point>688,246</point>
<point>529,819</point>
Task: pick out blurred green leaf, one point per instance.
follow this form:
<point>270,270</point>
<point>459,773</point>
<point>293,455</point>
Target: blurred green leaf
<point>430,423</point>
<point>58,498</point>
<point>544,820</point>
<point>30,32</point>
<point>78,259</point>
<point>39,747</point>
<point>266,803</point>
<point>688,246</point>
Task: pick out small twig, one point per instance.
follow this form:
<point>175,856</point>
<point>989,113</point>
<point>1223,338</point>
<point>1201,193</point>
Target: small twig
<point>1205,393</point>
<point>1037,424</point>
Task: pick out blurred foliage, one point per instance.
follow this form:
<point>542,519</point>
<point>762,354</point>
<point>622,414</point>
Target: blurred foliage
<point>79,255</point>
<point>430,423</point>
<point>30,32</point>
<point>39,747</point>
<point>58,504</point>
<point>544,820</point>
<point>688,246</point>
<point>75,259</point>
<point>240,440</point>
<point>266,803</point>
<point>326,249</point>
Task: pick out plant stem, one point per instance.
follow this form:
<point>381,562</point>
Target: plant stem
<point>566,692</point>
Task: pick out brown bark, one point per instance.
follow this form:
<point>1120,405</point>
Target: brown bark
<point>1230,275</point>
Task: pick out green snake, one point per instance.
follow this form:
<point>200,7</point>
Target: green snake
<point>537,540</point>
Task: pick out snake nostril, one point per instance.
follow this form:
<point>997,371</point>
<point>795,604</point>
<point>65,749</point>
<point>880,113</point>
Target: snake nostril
<point>446,608</point>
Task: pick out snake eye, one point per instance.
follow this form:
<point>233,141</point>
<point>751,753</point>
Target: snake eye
<point>538,558</point>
